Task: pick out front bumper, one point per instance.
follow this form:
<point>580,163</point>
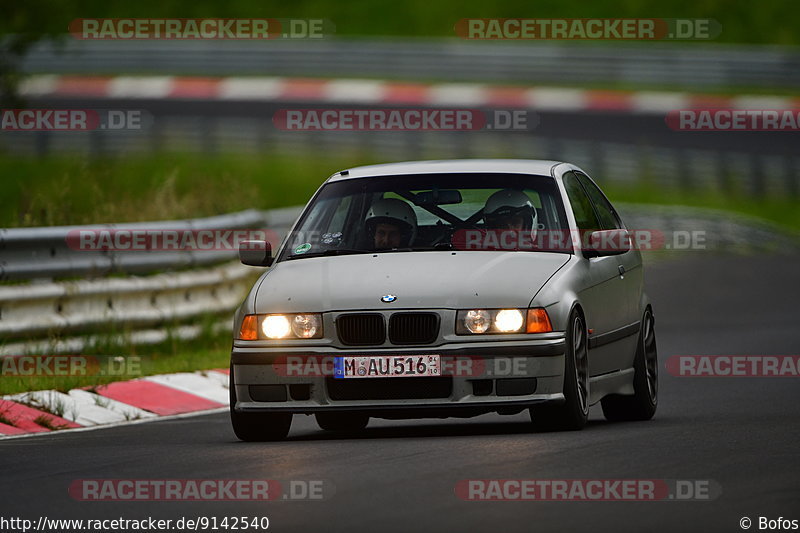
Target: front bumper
<point>482,377</point>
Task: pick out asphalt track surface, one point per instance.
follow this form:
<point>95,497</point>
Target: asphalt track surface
<point>400,475</point>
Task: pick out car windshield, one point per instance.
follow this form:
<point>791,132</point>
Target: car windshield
<point>431,212</point>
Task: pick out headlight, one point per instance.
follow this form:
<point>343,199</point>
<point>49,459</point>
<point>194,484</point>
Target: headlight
<point>302,326</point>
<point>275,326</point>
<point>306,326</point>
<point>509,320</point>
<point>478,321</point>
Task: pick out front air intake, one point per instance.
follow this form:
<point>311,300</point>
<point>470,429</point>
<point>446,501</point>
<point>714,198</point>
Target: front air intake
<point>413,328</point>
<point>361,329</point>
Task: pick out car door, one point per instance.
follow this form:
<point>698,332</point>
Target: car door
<point>602,295</point>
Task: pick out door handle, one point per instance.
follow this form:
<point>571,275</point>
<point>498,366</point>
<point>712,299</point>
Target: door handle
<point>621,270</point>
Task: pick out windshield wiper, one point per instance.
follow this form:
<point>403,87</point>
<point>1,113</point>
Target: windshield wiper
<point>332,251</point>
<point>438,247</point>
<point>349,251</point>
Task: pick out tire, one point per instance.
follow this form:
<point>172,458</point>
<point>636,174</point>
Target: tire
<point>338,421</point>
<point>573,413</point>
<point>258,427</point>
<point>643,403</point>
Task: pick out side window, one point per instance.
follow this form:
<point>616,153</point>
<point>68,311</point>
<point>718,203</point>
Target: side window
<point>606,213</point>
<point>585,216</point>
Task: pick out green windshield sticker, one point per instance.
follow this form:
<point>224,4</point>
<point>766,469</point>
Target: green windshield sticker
<point>303,248</point>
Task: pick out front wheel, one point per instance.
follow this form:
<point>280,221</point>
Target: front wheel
<point>642,405</point>
<point>573,413</point>
<point>257,427</point>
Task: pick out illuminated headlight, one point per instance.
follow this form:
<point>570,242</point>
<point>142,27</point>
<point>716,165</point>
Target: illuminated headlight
<point>509,320</point>
<point>302,326</point>
<point>275,326</point>
<point>478,321</point>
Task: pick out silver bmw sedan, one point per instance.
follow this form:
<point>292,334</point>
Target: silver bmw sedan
<point>446,288</point>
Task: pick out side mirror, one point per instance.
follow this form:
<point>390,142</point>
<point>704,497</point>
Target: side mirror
<point>603,243</point>
<point>255,253</point>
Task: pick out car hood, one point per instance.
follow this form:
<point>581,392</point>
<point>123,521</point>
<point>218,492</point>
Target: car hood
<point>417,279</point>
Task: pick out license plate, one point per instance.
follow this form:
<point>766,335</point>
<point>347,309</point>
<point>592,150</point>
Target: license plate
<point>386,366</point>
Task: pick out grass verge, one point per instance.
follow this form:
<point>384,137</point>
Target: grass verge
<point>120,361</point>
<point>61,190</point>
<point>784,211</point>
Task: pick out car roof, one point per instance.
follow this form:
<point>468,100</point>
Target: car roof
<point>502,166</point>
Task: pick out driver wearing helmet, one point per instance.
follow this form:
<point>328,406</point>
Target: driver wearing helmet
<point>511,210</point>
<point>391,223</point>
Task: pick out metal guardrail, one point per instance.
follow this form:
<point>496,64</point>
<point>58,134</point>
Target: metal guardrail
<point>43,308</point>
<point>29,253</point>
<point>675,65</point>
<point>64,307</point>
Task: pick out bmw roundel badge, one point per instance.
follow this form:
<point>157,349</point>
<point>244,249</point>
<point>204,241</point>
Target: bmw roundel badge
<point>388,298</point>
